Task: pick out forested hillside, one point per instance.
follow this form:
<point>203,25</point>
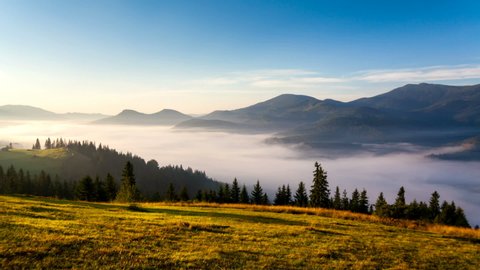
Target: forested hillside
<point>73,160</point>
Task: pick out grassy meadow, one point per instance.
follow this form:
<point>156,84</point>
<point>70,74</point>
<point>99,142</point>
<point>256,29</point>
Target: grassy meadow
<point>48,233</point>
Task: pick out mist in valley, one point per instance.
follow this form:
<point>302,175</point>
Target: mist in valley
<point>224,156</point>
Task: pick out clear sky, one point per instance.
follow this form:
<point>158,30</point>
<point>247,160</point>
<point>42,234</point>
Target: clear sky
<point>198,56</point>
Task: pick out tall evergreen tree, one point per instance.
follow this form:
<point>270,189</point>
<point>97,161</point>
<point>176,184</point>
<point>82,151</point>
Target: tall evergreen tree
<point>363,203</point>
<point>399,207</point>
<point>128,191</point>
<point>37,145</point>
<point>85,189</point>
<point>110,187</point>
<point>235,192</point>
<point>265,199</point>
<point>337,201</point>
<point>355,201</point>
<point>434,205</point>
<point>184,194</point>
<point>460,219</point>
<point>244,198</point>
<point>227,193</point>
<point>319,193</point>
<point>301,197</point>
<point>345,200</point>
<point>171,194</point>
<point>381,206</point>
<point>288,195</point>
<point>257,194</point>
<point>100,192</point>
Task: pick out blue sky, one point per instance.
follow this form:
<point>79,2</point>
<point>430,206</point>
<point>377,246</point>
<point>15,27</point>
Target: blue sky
<point>197,56</point>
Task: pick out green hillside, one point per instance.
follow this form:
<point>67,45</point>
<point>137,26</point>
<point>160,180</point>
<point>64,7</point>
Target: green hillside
<point>75,160</point>
<point>47,233</point>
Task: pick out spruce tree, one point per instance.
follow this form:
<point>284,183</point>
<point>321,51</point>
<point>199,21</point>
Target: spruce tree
<point>184,195</point>
<point>434,205</point>
<point>319,193</point>
<point>244,198</point>
<point>337,201</point>
<point>100,192</point>
<point>381,206</point>
<point>128,191</point>
<point>399,206</point>
<point>363,203</point>
<point>37,145</point>
<point>345,200</point>
<point>265,199</point>
<point>460,219</point>
<point>227,193</point>
<point>301,197</point>
<point>355,201</point>
<point>235,192</point>
<point>257,194</point>
<point>110,187</point>
<point>199,196</point>
<point>85,190</point>
<point>288,196</point>
<point>171,194</point>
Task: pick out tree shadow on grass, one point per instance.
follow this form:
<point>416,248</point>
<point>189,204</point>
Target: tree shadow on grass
<point>231,216</point>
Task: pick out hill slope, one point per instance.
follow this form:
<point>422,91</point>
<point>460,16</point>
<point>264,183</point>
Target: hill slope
<point>48,233</point>
<point>29,113</point>
<point>77,160</point>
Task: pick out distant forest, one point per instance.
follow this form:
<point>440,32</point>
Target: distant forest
<point>13,181</point>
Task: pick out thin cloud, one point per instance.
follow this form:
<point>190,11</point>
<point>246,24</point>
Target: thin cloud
<point>442,73</point>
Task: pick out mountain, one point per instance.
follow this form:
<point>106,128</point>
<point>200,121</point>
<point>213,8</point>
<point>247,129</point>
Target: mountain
<point>131,117</point>
<point>27,113</point>
<point>427,114</point>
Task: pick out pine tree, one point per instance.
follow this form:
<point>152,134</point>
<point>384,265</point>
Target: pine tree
<point>345,200</point>
<point>110,187</point>
<point>265,199</point>
<point>128,191</point>
<point>319,193</point>
<point>235,192</point>
<point>355,201</point>
<point>221,194</point>
<point>37,145</point>
<point>363,203</point>
<point>48,144</point>
<point>337,201</point>
<point>399,206</point>
<point>244,198</point>
<point>288,196</point>
<point>434,205</point>
<point>301,197</point>
<point>460,219</point>
<point>381,206</point>
<point>227,193</point>
<point>280,196</point>
<point>171,195</point>
<point>85,189</point>
<point>257,194</point>
<point>184,195</point>
<point>100,193</point>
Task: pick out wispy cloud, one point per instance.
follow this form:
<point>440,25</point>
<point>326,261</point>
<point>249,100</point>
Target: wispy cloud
<point>438,73</point>
<point>275,78</point>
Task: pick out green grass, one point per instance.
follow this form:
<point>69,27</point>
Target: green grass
<point>49,160</point>
<point>48,233</point>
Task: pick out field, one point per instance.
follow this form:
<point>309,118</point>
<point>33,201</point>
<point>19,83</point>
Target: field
<point>47,233</point>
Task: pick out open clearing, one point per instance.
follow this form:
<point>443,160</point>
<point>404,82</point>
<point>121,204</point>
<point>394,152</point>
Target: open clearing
<point>47,233</point>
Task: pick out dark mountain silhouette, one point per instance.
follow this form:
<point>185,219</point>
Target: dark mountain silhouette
<point>131,117</point>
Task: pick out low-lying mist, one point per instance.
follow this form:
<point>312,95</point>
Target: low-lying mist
<point>224,156</point>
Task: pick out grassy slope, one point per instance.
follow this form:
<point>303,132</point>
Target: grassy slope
<point>49,160</point>
<point>48,233</point>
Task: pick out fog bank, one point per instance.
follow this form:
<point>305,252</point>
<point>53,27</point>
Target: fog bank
<point>224,156</point>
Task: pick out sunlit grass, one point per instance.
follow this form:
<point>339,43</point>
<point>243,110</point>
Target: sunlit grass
<point>48,233</point>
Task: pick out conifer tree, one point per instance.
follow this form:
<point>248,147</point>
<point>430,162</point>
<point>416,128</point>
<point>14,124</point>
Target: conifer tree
<point>86,189</point>
<point>434,205</point>
<point>460,219</point>
<point>199,196</point>
<point>171,194</point>
<point>221,194</point>
<point>337,201</point>
<point>265,199</point>
<point>227,193</point>
<point>319,193</point>
<point>110,187</point>
<point>345,200</point>
<point>244,198</point>
<point>399,206</point>
<point>363,203</point>
<point>288,196</point>
<point>257,194</point>
<point>184,195</point>
<point>301,197</point>
<point>37,145</point>
<point>100,192</point>
<point>381,206</point>
<point>128,191</point>
<point>355,201</point>
<point>235,192</point>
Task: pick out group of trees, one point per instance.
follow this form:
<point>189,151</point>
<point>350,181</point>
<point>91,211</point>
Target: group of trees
<point>14,181</point>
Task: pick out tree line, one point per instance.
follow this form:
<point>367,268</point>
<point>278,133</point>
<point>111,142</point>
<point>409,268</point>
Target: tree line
<point>104,190</point>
